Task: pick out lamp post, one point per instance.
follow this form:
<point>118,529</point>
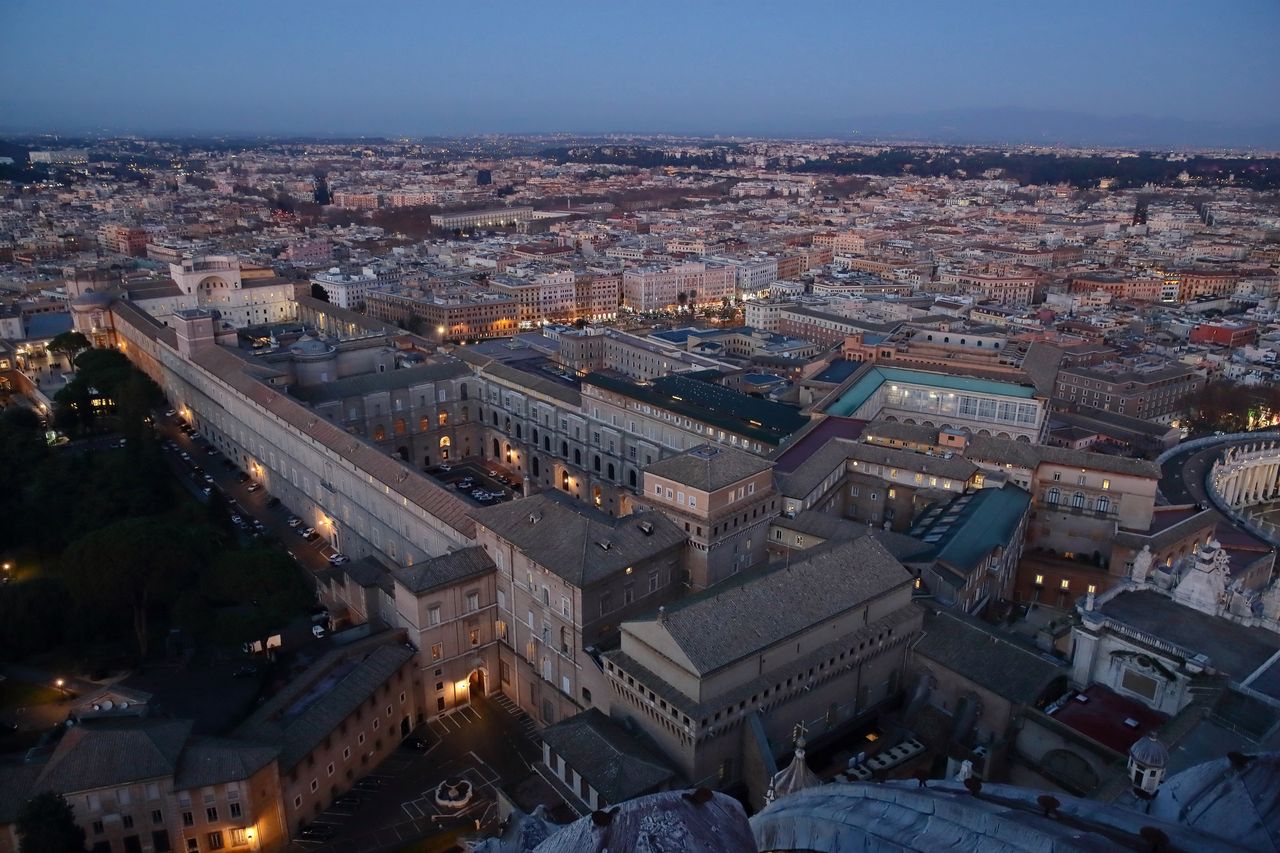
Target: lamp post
<point>61,684</point>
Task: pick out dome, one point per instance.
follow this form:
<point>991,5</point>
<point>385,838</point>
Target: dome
<point>1236,798</point>
<point>1149,751</point>
<point>309,346</point>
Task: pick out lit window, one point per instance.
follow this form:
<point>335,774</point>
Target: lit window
<point>1066,584</point>
<point>1106,484</point>
<point>1092,588</point>
<point>1039,580</point>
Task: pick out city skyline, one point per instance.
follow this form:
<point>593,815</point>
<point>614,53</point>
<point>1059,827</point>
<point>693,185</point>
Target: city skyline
<point>977,74</point>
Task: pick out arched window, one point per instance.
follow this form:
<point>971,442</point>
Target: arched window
<point>595,462</point>
<point>546,443</point>
<point>466,414</point>
<point>631,478</point>
<point>577,456</point>
<point>1077,500</point>
<point>612,475</point>
<point>495,449</point>
<point>506,426</point>
<point>463,391</point>
<point>445,442</point>
<point>537,468</point>
<point>443,418</point>
<point>1104,504</point>
<point>519,431</point>
<point>564,449</point>
<point>424,424</point>
<point>1053,497</point>
<point>379,432</point>
<point>495,417</point>
<point>400,426</point>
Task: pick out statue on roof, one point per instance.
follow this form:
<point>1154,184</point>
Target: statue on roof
<point>1142,565</point>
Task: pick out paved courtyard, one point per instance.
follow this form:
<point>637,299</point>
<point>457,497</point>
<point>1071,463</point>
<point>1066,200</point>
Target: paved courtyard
<point>489,743</point>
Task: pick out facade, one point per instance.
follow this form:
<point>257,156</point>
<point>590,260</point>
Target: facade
<point>456,313</point>
<point>567,575</point>
<point>468,219</point>
<point>659,287</point>
<point>346,290</point>
<point>1148,388</point>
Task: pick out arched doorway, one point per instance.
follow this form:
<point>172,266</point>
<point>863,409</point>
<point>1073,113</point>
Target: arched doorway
<point>475,683</point>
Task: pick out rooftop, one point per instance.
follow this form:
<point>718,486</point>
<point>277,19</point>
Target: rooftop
<point>864,386</point>
<point>1105,716</point>
<point>709,467</point>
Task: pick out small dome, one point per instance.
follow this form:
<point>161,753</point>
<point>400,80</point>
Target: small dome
<point>1149,751</point>
<point>309,344</point>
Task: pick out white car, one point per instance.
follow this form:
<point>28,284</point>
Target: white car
<point>317,631</point>
<point>338,559</point>
<point>294,521</point>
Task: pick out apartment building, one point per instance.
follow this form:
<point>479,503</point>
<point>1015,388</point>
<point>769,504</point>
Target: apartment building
<point>449,313</point>
<point>718,679</point>
<point>656,287</point>
<point>1003,287</point>
<point>549,296</point>
<point>346,290</point>
<point>567,575</point>
<point>1145,387</point>
<point>468,219</point>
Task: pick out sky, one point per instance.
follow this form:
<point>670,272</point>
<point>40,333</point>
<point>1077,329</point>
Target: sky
<point>365,67</point>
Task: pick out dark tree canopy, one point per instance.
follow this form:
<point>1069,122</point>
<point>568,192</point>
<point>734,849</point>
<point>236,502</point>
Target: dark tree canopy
<point>46,824</point>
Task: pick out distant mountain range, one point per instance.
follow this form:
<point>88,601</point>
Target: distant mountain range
<point>1056,127</point>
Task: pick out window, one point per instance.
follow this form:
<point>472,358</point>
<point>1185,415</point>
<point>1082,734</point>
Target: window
<point>437,651</point>
<point>1077,500</point>
<point>329,769</point>
<point>473,601</point>
<point>1104,505</point>
<point>194,843</point>
<point>97,827</point>
<point>1065,585</point>
<point>157,816</point>
<point>127,821</point>
<point>473,635</point>
<point>315,785</point>
<point>502,597</point>
<point>693,500</point>
<point>188,819</point>
<point>215,841</point>
<point>1092,588</point>
<point>239,837</point>
<point>433,615</point>
<point>1057,476</point>
<point>1136,682</point>
<point>1039,580</point>
<point>1053,497</point>
<point>211,814</point>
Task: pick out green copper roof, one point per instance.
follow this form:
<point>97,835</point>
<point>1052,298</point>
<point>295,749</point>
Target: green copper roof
<point>860,391</point>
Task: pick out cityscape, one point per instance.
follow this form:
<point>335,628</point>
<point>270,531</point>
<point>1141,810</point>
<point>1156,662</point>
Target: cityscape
<point>472,446</point>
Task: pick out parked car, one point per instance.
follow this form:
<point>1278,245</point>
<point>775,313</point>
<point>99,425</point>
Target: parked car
<point>208,478</point>
<point>307,532</point>
<point>235,519</point>
<point>336,559</point>
<point>170,413</point>
<point>318,832</point>
<point>253,487</point>
<point>207,491</point>
<point>318,631</point>
<point>185,455</point>
<point>445,467</point>
<point>294,521</point>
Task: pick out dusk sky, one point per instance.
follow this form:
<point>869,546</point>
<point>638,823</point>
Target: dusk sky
<point>690,67</point>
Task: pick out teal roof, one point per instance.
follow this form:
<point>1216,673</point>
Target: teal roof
<point>965,530</point>
<point>861,390</point>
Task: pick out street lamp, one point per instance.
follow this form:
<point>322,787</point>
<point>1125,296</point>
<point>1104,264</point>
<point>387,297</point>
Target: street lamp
<point>61,684</point>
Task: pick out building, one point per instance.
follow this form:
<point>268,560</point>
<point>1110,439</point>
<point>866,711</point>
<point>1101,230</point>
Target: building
<point>124,239</point>
<point>1145,387</point>
<point>1003,287</point>
<point>346,290</point>
<point>658,287</point>
<point>63,157</point>
<point>567,575</point>
<point>723,498</point>
<point>1224,334</point>
<point>450,313</point>
<point>469,219</point>
<point>719,681</point>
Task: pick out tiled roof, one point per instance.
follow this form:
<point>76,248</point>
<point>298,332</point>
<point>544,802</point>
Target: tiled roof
<point>116,752</point>
<point>720,627</point>
<point>297,718</point>
<point>445,569</point>
<point>368,383</point>
<point>567,537</point>
<point>616,763</point>
<point>982,655</point>
<point>212,761</point>
<point>709,466</point>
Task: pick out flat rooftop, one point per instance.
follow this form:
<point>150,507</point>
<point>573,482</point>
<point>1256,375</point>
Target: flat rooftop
<point>865,386</point>
<point>1109,718</point>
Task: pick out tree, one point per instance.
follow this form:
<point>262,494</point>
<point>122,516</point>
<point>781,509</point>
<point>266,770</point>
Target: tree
<point>318,292</point>
<point>130,566</point>
<point>70,344</point>
<point>46,824</point>
<point>683,299</point>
